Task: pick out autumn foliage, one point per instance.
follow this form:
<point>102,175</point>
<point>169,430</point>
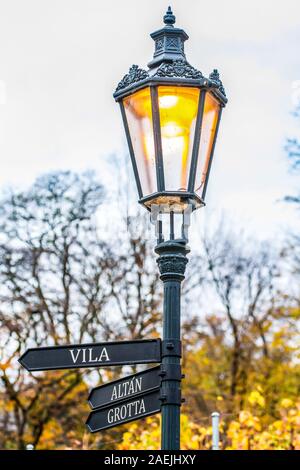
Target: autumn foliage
<point>62,282</point>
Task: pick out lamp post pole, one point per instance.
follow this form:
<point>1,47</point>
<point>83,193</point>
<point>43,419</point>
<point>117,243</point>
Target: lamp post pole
<point>172,261</point>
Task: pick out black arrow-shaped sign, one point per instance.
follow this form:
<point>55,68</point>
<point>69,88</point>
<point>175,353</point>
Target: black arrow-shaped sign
<point>125,411</point>
<point>127,387</point>
<point>92,355</point>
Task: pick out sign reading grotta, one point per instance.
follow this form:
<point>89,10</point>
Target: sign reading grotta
<point>92,355</point>
<point>127,410</point>
<point>127,387</point>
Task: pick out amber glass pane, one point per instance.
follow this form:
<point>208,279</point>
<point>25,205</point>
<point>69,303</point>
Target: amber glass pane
<point>178,112</point>
<point>139,117</point>
<point>209,123</point>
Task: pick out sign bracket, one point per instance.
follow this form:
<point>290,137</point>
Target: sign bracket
<point>170,372</point>
<point>171,397</point>
<point>171,347</point>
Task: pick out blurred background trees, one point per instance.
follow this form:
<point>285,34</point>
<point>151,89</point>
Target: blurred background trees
<point>64,281</point>
<point>61,284</point>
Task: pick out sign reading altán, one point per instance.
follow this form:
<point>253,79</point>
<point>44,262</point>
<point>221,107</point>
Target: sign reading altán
<point>127,387</point>
<point>125,411</point>
<point>92,355</point>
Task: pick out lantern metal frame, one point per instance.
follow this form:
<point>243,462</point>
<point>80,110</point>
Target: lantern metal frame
<point>169,67</point>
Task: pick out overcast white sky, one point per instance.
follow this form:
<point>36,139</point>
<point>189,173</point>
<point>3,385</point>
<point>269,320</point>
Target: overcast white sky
<point>60,61</point>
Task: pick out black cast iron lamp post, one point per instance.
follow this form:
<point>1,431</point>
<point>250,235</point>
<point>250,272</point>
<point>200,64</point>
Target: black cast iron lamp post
<point>171,115</point>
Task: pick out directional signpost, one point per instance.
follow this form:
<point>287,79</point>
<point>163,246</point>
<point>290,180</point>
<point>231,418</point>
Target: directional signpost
<point>127,410</point>
<point>127,387</point>
<point>92,355</point>
<point>117,402</point>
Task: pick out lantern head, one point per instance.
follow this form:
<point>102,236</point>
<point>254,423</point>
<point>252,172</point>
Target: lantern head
<point>171,115</point>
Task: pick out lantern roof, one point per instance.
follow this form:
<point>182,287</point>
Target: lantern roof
<point>169,42</point>
<point>169,65</point>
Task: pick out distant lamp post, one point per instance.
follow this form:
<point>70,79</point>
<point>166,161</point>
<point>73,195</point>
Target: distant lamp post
<point>171,115</point>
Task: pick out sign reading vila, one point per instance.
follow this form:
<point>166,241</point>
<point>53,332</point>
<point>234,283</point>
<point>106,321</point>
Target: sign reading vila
<point>127,387</point>
<point>92,355</point>
<point>125,411</point>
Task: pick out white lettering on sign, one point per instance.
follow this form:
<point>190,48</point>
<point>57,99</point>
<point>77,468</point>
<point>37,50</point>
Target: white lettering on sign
<point>127,388</point>
<point>88,355</point>
<point>126,411</point>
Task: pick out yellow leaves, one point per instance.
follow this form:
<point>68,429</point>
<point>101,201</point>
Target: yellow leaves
<point>205,361</point>
<point>51,430</point>
<point>248,432</point>
<point>256,398</point>
<point>286,403</point>
<point>146,435</point>
<point>237,435</point>
<point>9,405</point>
<point>141,435</point>
<point>294,312</point>
<point>193,436</point>
<point>244,417</point>
<point>246,421</point>
<point>6,405</point>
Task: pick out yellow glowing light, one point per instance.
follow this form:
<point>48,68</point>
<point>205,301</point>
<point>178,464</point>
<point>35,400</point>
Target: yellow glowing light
<point>210,119</point>
<point>171,129</point>
<point>148,146</point>
<point>139,116</point>
<point>178,108</point>
<point>140,104</point>
<point>168,101</point>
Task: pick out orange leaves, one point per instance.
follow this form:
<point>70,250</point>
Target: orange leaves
<point>4,366</point>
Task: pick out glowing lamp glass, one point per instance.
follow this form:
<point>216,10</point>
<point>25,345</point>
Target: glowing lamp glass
<point>209,126</point>
<point>164,140</point>
<point>178,112</point>
<point>139,117</point>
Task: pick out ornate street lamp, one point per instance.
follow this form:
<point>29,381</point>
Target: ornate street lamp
<point>171,115</point>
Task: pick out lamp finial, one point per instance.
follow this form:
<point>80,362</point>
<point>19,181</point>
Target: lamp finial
<point>169,18</point>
